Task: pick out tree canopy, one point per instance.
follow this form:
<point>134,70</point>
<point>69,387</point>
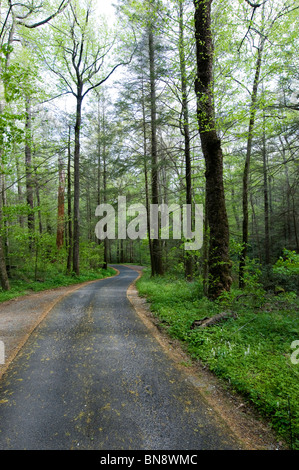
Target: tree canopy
<point>169,103</point>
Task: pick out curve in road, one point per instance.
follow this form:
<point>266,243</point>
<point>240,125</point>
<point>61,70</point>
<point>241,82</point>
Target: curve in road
<point>92,376</point>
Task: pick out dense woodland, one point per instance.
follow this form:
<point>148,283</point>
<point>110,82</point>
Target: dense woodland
<point>177,102</point>
<point>167,102</point>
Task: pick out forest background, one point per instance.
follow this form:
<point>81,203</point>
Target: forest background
<point>186,102</point>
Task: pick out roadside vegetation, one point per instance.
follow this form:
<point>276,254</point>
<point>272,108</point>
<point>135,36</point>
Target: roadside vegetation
<point>253,351</point>
<point>35,274</point>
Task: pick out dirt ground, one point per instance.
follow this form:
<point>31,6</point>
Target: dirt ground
<point>20,317</point>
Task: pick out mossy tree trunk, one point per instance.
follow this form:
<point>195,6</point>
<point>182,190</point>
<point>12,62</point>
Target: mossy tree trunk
<point>219,262</point>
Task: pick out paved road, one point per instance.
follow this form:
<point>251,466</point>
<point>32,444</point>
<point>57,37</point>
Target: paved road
<point>92,376</point>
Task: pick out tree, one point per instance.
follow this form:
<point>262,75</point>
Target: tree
<point>69,204</point>
<point>60,215</point>
<point>29,170</point>
<point>79,68</point>
<point>157,267</point>
<point>186,127</point>
<point>263,34</point>
<point>219,262</point>
<point>18,15</point>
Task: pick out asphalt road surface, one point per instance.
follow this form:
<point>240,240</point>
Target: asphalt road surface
<point>92,376</point>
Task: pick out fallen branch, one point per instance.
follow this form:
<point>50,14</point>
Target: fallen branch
<point>204,322</point>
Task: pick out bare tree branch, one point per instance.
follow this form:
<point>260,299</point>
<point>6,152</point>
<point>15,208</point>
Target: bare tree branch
<point>255,5</point>
<point>109,74</point>
<point>5,21</point>
<point>62,7</point>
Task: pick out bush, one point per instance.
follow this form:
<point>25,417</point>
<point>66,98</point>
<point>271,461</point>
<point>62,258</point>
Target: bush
<point>286,271</point>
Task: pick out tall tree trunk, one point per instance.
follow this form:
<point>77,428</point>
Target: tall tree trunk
<point>205,253</point>
<point>247,164</point>
<point>60,215</point>
<point>106,241</point>
<point>157,267</point>
<point>255,227</point>
<point>37,188</point>
<point>99,164</point>
<point>295,222</point>
<point>5,223</point>
<point>20,191</point>
<point>28,170</point>
<point>88,214</point>
<point>288,194</point>
<point>104,159</point>
<point>145,166</point>
<point>76,238</point>
<point>266,198</point>
<point>122,251</point>
<point>3,271</point>
<point>185,131</point>
<point>219,262</point>
<point>99,155</point>
<point>69,207</point>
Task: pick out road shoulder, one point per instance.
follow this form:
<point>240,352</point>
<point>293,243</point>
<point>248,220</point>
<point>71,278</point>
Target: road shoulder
<point>241,417</point>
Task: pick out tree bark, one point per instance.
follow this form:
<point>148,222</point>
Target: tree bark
<point>219,262</point>
<point>157,267</point>
<point>20,191</point>
<point>3,271</point>
<point>104,157</point>
<point>287,224</point>
<point>37,187</point>
<point>205,252</point>
<point>28,170</point>
<point>60,215</point>
<point>247,166</point>
<point>185,131</point>
<point>106,241</point>
<point>145,166</point>
<point>69,206</point>
<point>76,232</point>
<point>266,198</point>
<point>255,227</point>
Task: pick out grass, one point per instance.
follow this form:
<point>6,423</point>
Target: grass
<point>252,353</point>
<point>26,285</point>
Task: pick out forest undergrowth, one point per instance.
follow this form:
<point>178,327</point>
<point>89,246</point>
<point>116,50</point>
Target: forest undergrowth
<point>48,271</point>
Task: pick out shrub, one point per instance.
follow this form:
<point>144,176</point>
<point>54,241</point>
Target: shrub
<point>286,271</point>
